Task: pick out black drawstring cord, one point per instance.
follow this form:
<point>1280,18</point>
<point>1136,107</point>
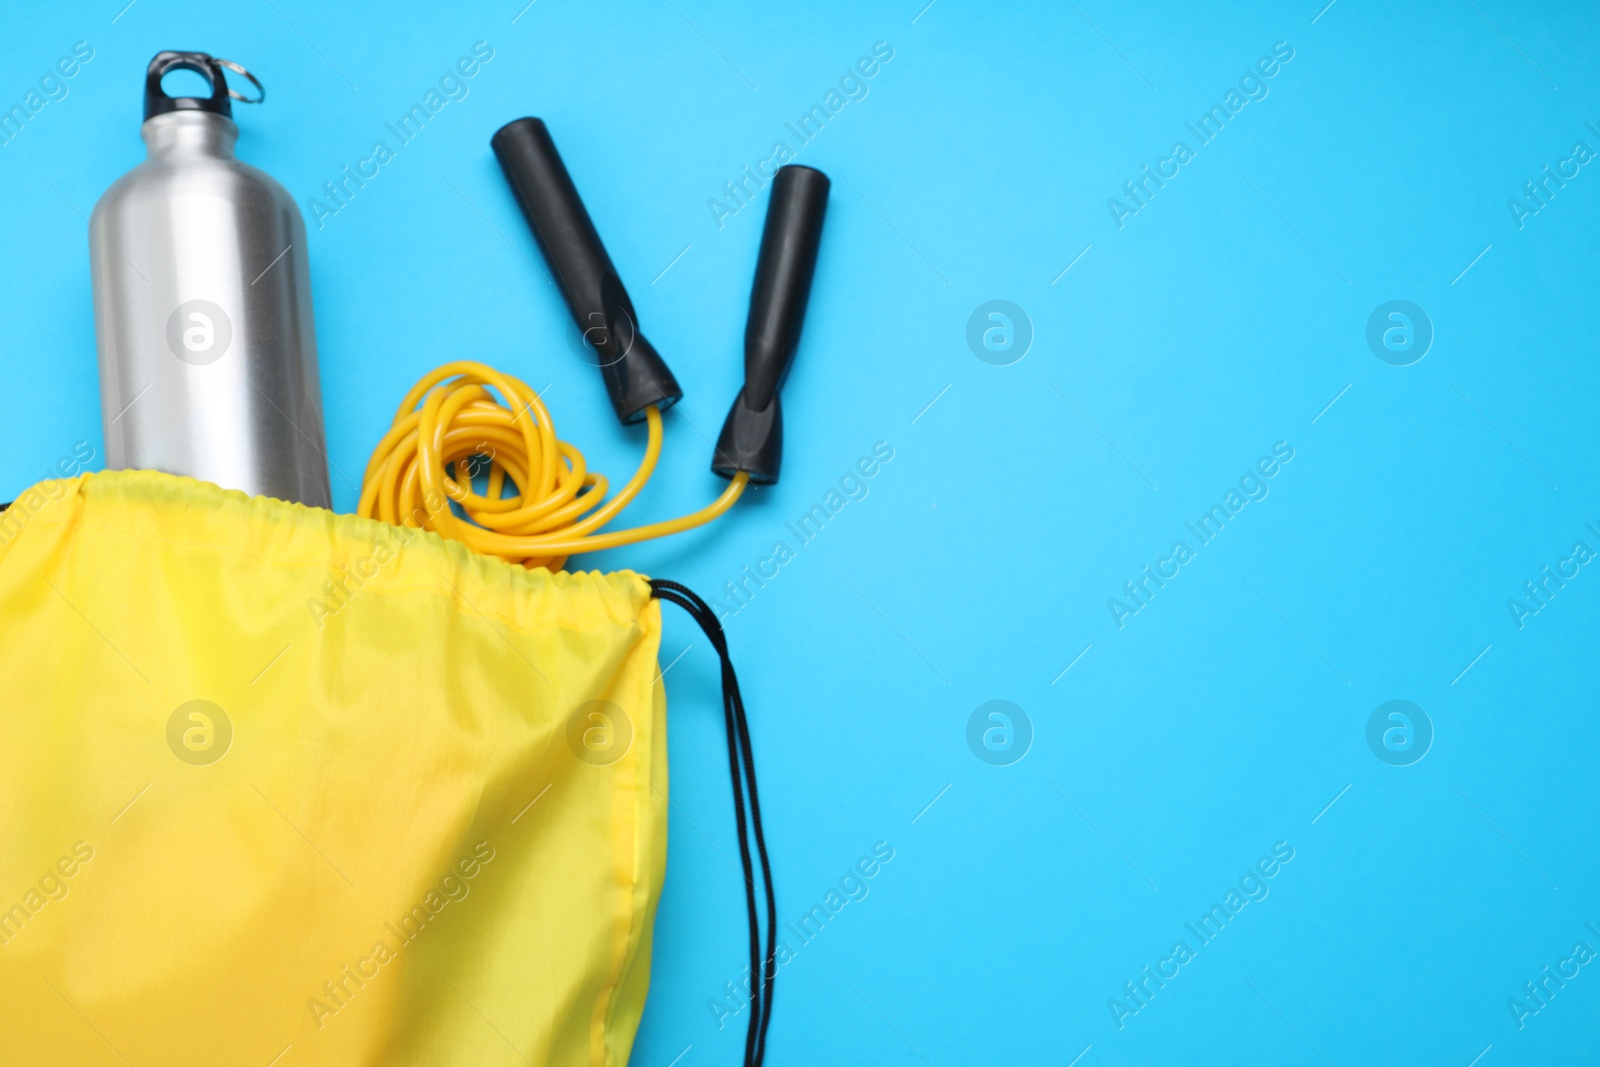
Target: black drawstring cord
<point>742,769</point>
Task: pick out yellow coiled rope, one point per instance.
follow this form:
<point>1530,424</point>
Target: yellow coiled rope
<point>450,421</point>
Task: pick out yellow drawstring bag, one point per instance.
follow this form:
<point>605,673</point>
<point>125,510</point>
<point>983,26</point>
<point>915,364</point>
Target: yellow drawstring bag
<point>284,787</point>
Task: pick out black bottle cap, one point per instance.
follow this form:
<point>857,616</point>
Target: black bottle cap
<point>156,100</point>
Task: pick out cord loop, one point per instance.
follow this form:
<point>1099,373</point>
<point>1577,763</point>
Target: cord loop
<point>466,419</point>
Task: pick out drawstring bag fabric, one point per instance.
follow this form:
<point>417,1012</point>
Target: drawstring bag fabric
<point>280,786</point>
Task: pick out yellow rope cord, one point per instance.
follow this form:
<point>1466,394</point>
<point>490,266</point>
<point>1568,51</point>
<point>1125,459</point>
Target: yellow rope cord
<point>450,419</point>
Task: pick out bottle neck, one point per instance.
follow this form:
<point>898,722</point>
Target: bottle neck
<point>186,134</point>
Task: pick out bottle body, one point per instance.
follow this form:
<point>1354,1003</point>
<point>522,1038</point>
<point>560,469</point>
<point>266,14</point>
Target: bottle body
<point>203,322</point>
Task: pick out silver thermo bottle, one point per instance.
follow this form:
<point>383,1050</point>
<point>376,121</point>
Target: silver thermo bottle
<point>202,305</point>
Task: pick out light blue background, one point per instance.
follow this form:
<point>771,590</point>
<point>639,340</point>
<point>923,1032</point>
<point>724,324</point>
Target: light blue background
<point>1224,317</point>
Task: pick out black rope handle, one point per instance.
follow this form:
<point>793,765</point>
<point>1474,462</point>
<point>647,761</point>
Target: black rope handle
<point>742,770</point>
